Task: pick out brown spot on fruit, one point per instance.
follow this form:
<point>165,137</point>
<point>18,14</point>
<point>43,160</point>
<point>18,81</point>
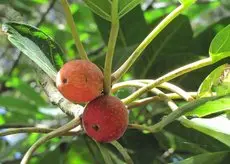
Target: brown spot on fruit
<point>95,127</point>
<point>105,119</point>
<point>64,80</point>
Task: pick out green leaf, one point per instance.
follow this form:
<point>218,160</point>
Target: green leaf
<point>219,47</point>
<point>214,127</point>
<point>39,47</point>
<point>212,81</point>
<point>103,7</point>
<point>210,107</point>
<point>213,158</point>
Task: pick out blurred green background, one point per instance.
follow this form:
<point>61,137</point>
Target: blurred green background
<point>186,39</point>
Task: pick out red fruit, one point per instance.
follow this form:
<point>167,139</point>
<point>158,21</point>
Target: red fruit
<point>105,119</point>
<point>80,81</point>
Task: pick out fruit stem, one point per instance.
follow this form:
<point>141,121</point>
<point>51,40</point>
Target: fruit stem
<point>111,47</point>
<point>129,62</point>
<point>32,130</point>
<point>169,76</point>
<point>75,35</point>
<point>65,128</point>
<point>123,152</point>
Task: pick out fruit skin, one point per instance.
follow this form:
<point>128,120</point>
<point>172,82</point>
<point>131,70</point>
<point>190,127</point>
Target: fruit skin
<point>105,119</point>
<point>80,81</point>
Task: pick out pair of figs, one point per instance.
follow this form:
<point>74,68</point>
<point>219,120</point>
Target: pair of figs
<point>105,118</point>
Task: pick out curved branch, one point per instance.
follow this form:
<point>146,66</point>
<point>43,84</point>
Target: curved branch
<point>166,85</point>
<point>65,128</point>
<point>148,100</point>
<point>177,114</point>
<point>75,35</point>
<point>122,150</point>
<point>171,87</point>
<point>129,62</point>
<point>169,76</point>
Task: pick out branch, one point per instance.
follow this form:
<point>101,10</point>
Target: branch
<point>166,85</point>
<point>71,23</point>
<point>148,100</point>
<point>129,62</point>
<point>173,88</point>
<point>156,91</point>
<point>111,47</point>
<point>34,130</point>
<point>139,127</point>
<point>169,76</point>
<point>65,128</point>
<point>174,115</point>
<point>56,98</point>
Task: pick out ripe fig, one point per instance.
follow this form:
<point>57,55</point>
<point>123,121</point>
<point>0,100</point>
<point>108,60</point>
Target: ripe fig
<point>80,81</point>
<point>105,119</point>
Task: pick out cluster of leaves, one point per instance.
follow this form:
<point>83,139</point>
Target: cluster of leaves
<point>184,40</point>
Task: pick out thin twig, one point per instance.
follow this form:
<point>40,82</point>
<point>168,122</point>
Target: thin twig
<point>171,87</point>
<point>123,151</point>
<point>169,76</point>
<point>166,85</point>
<point>175,115</point>
<point>148,100</point>
<point>75,35</point>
